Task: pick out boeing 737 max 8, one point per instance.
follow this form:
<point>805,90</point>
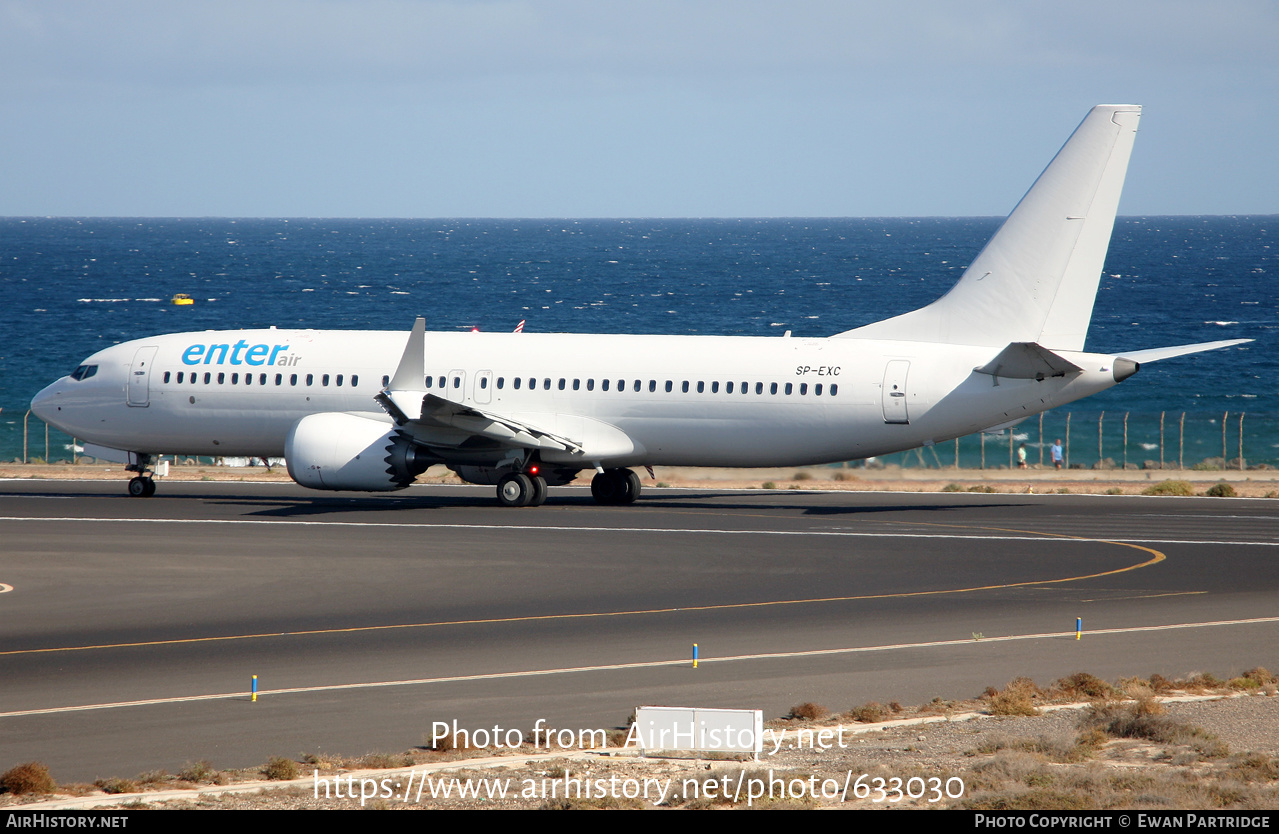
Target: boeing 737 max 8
<point>360,410</point>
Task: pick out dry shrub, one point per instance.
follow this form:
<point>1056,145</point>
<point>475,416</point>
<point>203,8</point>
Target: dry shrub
<point>114,786</point>
<point>803,475</point>
<point>1117,721</point>
<point>29,778</point>
<point>1169,488</point>
<point>1161,685</point>
<point>1084,685</point>
<point>1017,698</point>
<point>808,711</point>
<point>871,713</point>
<point>280,769</point>
<point>201,771</point>
<point>1221,490</point>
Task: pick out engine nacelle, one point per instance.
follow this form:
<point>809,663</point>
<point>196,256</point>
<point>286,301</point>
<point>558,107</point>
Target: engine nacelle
<point>339,450</point>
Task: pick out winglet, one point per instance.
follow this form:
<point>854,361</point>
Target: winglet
<point>412,368</point>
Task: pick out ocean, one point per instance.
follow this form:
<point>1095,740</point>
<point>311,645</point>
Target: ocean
<point>70,286</point>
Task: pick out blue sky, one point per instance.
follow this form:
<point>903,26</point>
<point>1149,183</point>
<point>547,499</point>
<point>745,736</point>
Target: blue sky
<point>599,108</point>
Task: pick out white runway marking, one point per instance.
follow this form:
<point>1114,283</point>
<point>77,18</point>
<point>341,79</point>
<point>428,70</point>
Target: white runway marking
<point>223,696</point>
<point>1042,537</point>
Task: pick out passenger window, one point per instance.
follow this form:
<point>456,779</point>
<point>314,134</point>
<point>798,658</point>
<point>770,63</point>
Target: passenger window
<point>637,386</point>
<point>457,382</point>
<point>355,379</point>
<point>235,379</point>
<point>429,380</point>
<point>501,382</point>
<point>685,386</point>
<point>621,385</point>
<point>803,388</point>
<point>759,388</point>
<point>715,387</point>
<point>834,389</point>
<point>561,384</point>
<point>590,385</point>
<point>817,389</point>
<point>279,379</point>
<point>701,387</point>
<point>517,383</point>
<point>546,384</point>
<point>324,380</point>
<point>166,376</point>
<point>577,385</point>
<point>293,379</point>
<point>669,386</point>
<point>221,378</point>
<point>484,383</point>
<point>310,379</point>
<point>386,381</point>
<point>208,377</point>
<point>339,380</point>
<point>652,386</point>
<point>728,387</point>
<point>604,385</point>
<point>788,389</point>
<point>180,376</point>
<point>772,389</point>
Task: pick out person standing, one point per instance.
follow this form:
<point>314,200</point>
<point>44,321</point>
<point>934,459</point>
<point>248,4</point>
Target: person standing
<point>1056,453</point>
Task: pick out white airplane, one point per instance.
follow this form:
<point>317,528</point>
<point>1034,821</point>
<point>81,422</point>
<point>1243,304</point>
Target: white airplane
<point>363,410</point>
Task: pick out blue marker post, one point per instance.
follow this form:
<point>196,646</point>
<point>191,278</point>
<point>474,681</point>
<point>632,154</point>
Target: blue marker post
<point>694,655</point>
<point>1079,627</point>
<point>254,699</point>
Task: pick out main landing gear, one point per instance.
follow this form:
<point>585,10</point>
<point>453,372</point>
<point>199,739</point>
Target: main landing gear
<point>615,486</point>
<point>516,489</point>
<point>142,486</point>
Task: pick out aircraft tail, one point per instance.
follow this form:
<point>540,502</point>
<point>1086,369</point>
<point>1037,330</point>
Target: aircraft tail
<point>1036,280</point>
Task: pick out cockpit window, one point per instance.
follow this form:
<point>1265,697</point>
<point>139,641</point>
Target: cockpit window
<point>84,372</point>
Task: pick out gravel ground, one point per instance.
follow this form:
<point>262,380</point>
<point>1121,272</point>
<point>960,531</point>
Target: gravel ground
<point>996,762</point>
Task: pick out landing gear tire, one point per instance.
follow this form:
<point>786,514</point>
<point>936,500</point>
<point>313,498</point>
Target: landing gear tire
<point>539,491</point>
<point>613,487</point>
<point>516,490</point>
<point>141,487</point>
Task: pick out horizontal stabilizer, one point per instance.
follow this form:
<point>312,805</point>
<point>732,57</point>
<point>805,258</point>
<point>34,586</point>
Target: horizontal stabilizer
<point>1027,360</point>
<point>1155,354</point>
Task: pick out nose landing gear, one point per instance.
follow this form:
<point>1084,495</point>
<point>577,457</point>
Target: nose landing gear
<point>142,486</point>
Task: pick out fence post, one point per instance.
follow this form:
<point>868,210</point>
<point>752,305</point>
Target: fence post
<point>1181,443</point>
<point>1224,417</point>
<point>983,449</point>
<point>1100,456</point>
<point>1067,461</point>
<point>1010,448</point>
<point>956,452</point>
<point>1125,440</point>
<point>1041,438</point>
<point>46,443</point>
<point>1241,466</point>
<point>1161,440</point>
<point>24,435</point>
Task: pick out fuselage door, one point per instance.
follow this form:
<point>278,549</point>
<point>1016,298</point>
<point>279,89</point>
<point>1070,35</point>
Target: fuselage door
<point>139,388</point>
<point>456,387</point>
<point>484,387</point>
<point>895,391</point>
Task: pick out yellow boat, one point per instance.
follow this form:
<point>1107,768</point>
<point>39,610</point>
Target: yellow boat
<point>181,299</point>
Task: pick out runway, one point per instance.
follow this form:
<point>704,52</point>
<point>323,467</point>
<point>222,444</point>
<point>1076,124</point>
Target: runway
<point>132,627</point>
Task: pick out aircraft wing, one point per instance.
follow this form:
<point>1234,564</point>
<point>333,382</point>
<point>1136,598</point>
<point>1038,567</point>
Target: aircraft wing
<point>435,421</point>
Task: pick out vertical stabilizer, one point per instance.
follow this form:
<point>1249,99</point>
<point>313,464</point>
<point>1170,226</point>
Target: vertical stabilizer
<point>1036,280</point>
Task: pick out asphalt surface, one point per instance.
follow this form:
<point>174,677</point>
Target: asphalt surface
<point>131,627</point>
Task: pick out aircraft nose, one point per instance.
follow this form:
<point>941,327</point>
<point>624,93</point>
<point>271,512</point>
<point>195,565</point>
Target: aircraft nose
<point>44,404</point>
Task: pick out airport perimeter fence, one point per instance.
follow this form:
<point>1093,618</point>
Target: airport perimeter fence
<point>1107,440</point>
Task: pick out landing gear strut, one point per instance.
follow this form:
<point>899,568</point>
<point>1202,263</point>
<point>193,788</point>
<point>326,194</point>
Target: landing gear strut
<point>517,489</point>
<point>142,486</point>
<point>615,486</point>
